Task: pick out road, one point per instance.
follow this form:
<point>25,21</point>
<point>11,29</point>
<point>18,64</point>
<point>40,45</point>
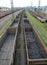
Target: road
<point>5,19</point>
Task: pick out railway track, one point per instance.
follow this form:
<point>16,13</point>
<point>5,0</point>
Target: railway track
<point>20,56</point>
<point>20,45</point>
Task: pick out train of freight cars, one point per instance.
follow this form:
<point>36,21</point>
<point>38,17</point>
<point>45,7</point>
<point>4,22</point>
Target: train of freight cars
<point>39,16</point>
<point>5,13</point>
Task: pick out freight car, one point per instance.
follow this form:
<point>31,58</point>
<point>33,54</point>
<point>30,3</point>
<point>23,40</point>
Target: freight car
<point>5,13</point>
<point>39,16</point>
<point>34,50</point>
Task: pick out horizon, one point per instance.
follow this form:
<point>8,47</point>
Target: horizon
<point>22,3</point>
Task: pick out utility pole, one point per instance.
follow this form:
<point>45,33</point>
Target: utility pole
<point>39,5</point>
<point>12,9</point>
<point>31,5</point>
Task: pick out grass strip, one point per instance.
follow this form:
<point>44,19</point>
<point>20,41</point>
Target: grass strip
<point>37,25</point>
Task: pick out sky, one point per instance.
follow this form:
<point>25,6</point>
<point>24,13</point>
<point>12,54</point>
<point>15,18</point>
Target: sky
<point>22,3</point>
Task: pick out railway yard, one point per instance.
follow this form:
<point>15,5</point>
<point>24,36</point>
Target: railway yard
<point>23,39</point>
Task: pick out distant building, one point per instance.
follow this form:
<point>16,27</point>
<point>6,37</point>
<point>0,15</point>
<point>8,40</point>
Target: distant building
<point>4,9</point>
<point>44,8</point>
